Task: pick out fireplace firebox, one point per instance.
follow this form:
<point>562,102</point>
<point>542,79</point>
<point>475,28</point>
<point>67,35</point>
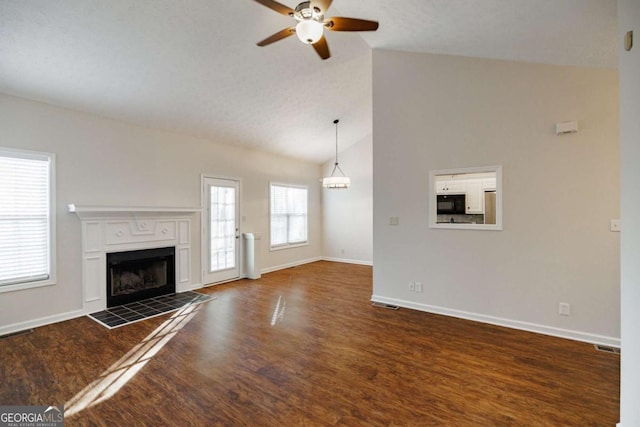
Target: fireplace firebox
<point>137,275</point>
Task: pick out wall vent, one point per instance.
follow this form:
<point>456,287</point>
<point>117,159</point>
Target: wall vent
<point>383,305</point>
<point>607,349</point>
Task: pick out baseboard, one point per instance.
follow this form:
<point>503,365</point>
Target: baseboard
<point>289,265</point>
<point>347,261</point>
<point>514,324</point>
<point>42,321</point>
<point>222,282</point>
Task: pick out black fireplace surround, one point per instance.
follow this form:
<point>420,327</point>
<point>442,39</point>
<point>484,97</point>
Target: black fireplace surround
<point>137,275</point>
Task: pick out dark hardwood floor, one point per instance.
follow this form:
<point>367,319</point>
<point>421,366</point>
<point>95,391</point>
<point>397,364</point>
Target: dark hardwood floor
<point>304,346</point>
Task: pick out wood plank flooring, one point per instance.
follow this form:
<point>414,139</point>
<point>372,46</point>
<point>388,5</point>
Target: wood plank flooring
<point>304,347</point>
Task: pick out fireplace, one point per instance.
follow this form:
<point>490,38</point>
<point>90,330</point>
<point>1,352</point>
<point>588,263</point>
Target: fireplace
<point>110,229</point>
<point>137,275</point>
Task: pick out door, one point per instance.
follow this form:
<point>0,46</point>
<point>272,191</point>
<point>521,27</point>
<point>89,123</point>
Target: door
<point>221,240</point>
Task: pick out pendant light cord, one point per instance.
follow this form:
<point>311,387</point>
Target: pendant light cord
<point>336,123</point>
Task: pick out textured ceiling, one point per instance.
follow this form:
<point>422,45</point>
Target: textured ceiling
<point>193,66</point>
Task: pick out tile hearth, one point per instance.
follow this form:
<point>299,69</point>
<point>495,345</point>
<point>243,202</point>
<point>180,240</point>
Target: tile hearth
<point>135,311</point>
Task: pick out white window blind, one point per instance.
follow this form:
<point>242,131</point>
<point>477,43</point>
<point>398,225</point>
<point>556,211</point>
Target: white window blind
<point>25,243</point>
<point>288,215</point>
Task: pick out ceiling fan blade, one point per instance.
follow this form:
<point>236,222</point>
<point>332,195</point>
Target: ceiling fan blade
<point>322,48</point>
<point>323,5</point>
<point>282,34</point>
<point>278,7</point>
<point>350,24</point>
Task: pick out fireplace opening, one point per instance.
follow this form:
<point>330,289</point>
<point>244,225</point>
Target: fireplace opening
<point>137,275</point>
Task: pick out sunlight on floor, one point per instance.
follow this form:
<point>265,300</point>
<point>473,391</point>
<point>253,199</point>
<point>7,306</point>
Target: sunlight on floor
<point>278,312</point>
<point>116,376</point>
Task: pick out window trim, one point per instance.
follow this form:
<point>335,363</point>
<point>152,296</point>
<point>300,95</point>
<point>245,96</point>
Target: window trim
<point>282,246</point>
<point>51,157</point>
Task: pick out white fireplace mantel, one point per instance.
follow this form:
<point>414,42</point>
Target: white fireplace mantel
<point>107,229</point>
<point>84,211</point>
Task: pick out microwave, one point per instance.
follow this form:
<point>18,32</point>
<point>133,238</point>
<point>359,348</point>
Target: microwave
<point>451,203</point>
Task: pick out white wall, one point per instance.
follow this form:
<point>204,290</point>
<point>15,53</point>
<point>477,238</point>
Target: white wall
<point>629,19</point>
<point>560,192</point>
<point>347,214</point>
<point>106,162</point>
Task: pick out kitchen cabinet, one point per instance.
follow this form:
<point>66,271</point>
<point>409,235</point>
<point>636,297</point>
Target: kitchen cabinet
<point>474,197</point>
<point>489,184</point>
<point>451,186</point>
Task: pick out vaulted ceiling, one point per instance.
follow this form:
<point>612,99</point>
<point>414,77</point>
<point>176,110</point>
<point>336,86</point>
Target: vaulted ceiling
<point>193,67</point>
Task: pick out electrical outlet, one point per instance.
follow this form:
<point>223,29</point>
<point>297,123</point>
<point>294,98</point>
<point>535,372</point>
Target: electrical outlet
<point>418,286</point>
<point>564,309</point>
<point>412,286</point>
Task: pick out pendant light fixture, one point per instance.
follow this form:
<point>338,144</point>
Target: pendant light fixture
<point>336,181</point>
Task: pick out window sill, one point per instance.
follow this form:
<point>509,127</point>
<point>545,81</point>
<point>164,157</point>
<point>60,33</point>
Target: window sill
<point>279,248</point>
<point>27,285</point>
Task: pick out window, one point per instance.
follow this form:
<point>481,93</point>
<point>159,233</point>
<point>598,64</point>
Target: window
<point>288,215</point>
<point>26,219</point>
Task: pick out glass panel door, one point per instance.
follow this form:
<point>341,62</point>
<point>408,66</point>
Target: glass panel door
<point>221,230</point>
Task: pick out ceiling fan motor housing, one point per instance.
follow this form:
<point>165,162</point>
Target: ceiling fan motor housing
<point>306,11</point>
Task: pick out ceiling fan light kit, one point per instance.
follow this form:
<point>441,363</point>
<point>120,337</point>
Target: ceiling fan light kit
<point>336,181</point>
<point>311,24</point>
<point>309,31</point>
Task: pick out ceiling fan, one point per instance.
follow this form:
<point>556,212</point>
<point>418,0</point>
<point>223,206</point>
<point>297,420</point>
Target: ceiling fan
<point>311,24</point>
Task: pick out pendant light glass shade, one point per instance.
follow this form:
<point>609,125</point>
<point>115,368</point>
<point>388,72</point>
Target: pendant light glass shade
<point>336,181</point>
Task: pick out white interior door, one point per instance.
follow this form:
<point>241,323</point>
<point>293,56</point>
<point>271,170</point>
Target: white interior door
<point>221,238</point>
